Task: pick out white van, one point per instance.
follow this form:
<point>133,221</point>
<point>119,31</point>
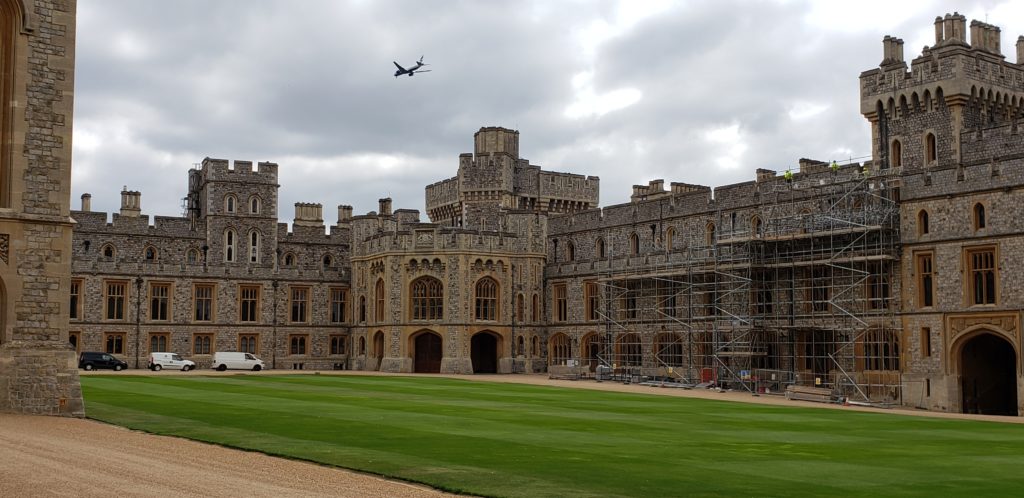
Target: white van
<point>223,360</point>
<point>160,361</point>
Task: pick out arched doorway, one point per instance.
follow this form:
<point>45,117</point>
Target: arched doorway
<point>378,347</point>
<point>484,352</point>
<point>594,351</point>
<point>427,352</point>
<point>988,375</point>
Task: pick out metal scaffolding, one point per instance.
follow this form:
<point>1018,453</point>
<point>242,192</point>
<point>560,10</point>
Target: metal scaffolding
<point>803,291</point>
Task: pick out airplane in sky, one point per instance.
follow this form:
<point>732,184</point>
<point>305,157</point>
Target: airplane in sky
<point>413,70</point>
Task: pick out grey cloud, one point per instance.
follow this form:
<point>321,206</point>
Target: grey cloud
<point>311,81</point>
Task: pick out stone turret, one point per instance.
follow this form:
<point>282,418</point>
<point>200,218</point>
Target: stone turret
<point>919,114</point>
<point>496,140</point>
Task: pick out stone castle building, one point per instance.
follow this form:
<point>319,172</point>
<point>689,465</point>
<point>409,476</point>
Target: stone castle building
<point>892,281</point>
<point>37,369</point>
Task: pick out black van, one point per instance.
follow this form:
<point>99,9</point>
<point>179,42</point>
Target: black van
<point>90,361</point>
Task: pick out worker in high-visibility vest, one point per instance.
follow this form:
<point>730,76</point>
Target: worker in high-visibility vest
<point>835,166</point>
<point>788,175</point>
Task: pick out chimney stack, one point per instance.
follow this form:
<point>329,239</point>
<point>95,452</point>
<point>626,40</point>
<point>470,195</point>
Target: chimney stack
<point>308,215</point>
<point>385,206</point>
<point>985,37</point>
<point>131,202</point>
<point>1020,50</point>
<point>86,202</point>
<point>959,28</point>
<point>344,215</point>
<point>892,50</point>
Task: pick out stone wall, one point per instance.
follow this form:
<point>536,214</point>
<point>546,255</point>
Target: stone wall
<point>307,257</point>
<point>37,368</point>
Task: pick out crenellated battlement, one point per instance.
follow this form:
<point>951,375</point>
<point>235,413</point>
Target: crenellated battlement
<point>952,68</point>
<point>429,238</point>
<point>97,222</point>
<point>652,203</point>
<point>917,116</point>
<point>224,170</point>
<point>442,192</point>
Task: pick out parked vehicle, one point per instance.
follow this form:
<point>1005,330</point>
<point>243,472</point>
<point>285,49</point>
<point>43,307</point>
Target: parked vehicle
<point>91,360</point>
<point>223,360</point>
<point>160,361</point>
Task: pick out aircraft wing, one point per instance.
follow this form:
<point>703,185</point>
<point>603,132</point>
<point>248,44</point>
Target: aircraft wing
<point>400,68</point>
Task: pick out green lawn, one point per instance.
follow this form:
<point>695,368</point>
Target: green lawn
<point>520,440</point>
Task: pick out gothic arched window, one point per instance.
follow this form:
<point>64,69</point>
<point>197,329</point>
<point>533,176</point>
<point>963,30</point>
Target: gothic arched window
<point>486,299</point>
<point>427,299</point>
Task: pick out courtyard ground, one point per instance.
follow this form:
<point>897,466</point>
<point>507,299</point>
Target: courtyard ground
<point>58,456</point>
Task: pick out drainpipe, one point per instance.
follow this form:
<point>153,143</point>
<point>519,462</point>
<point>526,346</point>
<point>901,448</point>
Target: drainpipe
<point>512,347</point>
<point>138,318</point>
<point>273,350</point>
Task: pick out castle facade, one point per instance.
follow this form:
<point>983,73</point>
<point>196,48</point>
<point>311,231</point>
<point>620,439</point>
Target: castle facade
<point>892,281</point>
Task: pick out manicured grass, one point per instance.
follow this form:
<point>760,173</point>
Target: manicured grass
<point>520,440</point>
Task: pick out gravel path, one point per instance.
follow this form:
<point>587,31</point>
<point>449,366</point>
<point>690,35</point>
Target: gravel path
<point>51,456</point>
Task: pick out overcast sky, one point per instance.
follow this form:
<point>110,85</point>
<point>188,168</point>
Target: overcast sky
<point>698,92</point>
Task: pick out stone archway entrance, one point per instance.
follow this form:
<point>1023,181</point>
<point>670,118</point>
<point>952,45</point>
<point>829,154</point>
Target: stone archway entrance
<point>378,347</point>
<point>594,351</point>
<point>427,353</point>
<point>484,352</point>
<point>988,376</point>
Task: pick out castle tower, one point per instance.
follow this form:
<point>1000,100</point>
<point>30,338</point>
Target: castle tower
<point>239,205</point>
<point>918,115</point>
<point>952,124</point>
<point>494,180</point>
